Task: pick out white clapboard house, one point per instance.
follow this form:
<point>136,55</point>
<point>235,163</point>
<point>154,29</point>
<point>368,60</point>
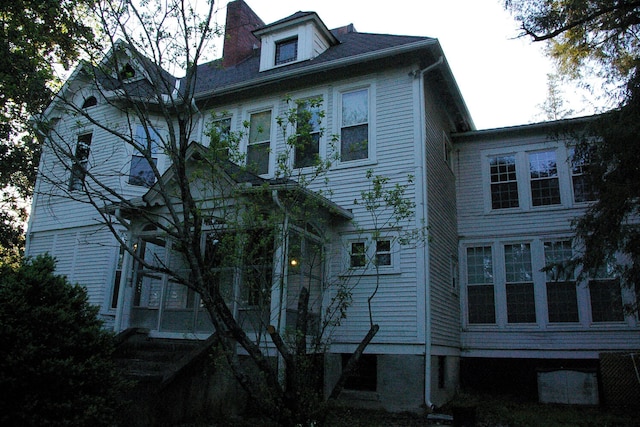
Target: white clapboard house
<point>469,306</point>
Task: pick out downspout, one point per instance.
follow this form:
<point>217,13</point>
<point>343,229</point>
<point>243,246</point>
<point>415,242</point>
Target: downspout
<point>425,249</point>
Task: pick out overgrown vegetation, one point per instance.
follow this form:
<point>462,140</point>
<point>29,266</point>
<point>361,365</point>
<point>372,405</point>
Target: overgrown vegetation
<point>55,357</point>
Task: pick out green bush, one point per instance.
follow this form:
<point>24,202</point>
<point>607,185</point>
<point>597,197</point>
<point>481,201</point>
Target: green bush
<point>55,359</point>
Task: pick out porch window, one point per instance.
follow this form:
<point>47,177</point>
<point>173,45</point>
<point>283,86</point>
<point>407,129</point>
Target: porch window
<point>519,284</point>
<point>545,187</point>
<point>480,287</point>
<point>80,162</point>
<point>504,183</point>
<point>307,149</point>
<point>259,146</point>
<point>354,127</point>
<point>561,286</point>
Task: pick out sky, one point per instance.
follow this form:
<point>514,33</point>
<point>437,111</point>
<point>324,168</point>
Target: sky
<point>502,78</point>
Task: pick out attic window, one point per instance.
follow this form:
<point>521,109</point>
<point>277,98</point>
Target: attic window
<point>90,102</point>
<point>286,51</point>
<point>127,72</point>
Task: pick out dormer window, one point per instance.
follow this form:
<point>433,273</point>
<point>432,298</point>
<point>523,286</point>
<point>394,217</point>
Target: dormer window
<point>127,72</point>
<point>286,51</point>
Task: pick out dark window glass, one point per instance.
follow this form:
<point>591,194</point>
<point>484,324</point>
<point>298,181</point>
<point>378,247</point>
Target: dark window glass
<point>286,51</point>
<point>504,184</point>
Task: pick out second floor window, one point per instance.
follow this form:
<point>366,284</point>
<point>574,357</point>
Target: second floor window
<point>80,162</point>
<point>504,182</point>
<point>583,190</point>
<point>545,187</point>
<point>259,146</point>
<point>354,127</point>
<point>147,142</point>
<point>307,150</point>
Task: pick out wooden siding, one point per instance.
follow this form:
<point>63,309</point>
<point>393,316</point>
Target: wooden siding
<point>479,225</point>
<point>444,299</point>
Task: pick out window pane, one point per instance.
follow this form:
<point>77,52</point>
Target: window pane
<point>562,302</point>
<point>80,162</point>
<point>286,51</point>
<point>517,260</point>
<point>479,265</point>
<point>355,107</point>
<point>520,303</point>
<point>606,300</point>
<point>307,149</point>
<point>383,252</point>
<point>583,189</point>
<point>558,255</point>
<point>504,185</point>
<point>481,304</point>
<point>141,172</point>
<point>357,255</point>
<point>259,142</point>
<point>545,187</point>
<point>354,143</point>
<point>219,137</point>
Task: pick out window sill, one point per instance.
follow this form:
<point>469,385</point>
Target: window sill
<point>354,163</point>
<point>388,271</point>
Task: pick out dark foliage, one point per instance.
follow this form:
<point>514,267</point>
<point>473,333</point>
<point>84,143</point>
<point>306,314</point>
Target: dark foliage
<point>55,358</point>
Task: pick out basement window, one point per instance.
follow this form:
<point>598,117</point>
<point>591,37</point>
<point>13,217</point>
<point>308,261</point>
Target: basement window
<point>365,376</point>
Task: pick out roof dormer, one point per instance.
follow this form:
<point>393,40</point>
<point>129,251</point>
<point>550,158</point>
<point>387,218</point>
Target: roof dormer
<point>297,38</point>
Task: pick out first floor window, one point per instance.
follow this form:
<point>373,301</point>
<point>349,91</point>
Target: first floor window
<point>606,300</point>
<point>480,291</point>
<point>80,162</point>
<point>519,284</point>
<point>358,255</point>
<point>354,126</point>
<point>383,253</point>
<point>373,254</point>
<point>562,301</point>
<point>259,146</point>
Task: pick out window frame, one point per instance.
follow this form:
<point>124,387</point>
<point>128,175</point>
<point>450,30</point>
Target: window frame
<point>139,160</point>
<point>321,152</point>
<point>531,157</point>
<point>370,87</point>
<point>278,44</point>
<point>271,147</point>
<point>558,279</point>
<point>371,254</point>
<point>222,133</point>
<point>515,284</point>
<point>468,284</point>
<point>80,161</point>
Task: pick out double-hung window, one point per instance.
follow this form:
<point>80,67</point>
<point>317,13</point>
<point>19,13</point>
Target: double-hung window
<point>543,170</point>
<point>145,155</point>
<point>220,137</point>
<point>562,301</point>
<point>80,162</point>
<point>480,285</point>
<point>583,190</point>
<point>259,146</point>
<point>354,125</point>
<point>307,149</point>
<point>504,182</point>
<point>519,284</point>
<point>606,295</point>
<point>373,254</point>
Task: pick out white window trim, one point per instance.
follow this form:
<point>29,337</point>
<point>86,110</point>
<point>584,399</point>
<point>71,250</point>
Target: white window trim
<point>324,130</point>
<point>161,158</point>
<point>337,122</point>
<point>244,144</point>
<point>370,247</point>
<point>268,47</point>
<point>521,154</point>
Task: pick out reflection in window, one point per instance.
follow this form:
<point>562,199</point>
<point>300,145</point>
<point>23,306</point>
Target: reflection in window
<point>480,294</point>
<point>519,284</point>
<point>146,142</point>
<point>286,51</point>
<point>354,130</point>
<point>80,162</point>
<point>307,149</point>
<point>259,142</point>
<point>504,184</point>
<point>583,189</point>
<point>545,187</point>
<point>562,300</point>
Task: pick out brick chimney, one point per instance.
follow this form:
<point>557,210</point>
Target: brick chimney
<point>239,42</point>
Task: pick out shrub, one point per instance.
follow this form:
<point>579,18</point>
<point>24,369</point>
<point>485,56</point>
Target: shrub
<point>55,358</point>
